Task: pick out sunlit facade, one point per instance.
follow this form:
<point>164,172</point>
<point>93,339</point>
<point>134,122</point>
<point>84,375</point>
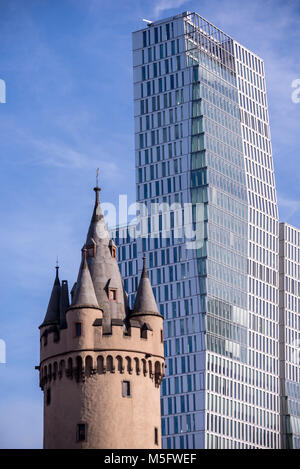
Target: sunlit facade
<point>202,138</point>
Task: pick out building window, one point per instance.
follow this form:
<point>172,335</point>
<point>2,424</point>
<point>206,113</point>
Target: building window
<point>91,250</point>
<point>81,432</point>
<point>112,294</point>
<point>161,336</point>
<point>78,329</point>
<point>48,396</point>
<point>155,435</point>
<point>126,391</point>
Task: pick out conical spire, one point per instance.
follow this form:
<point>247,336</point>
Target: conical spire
<point>104,269</point>
<point>97,229</point>
<point>85,293</point>
<point>144,301</point>
<point>53,310</point>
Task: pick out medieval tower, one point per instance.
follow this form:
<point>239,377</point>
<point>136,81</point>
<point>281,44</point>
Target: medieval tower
<point>101,364</point>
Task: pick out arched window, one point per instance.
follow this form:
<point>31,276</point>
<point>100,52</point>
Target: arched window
<point>157,373</point>
<point>88,365</point>
<point>137,365</point>
<point>128,365</point>
<point>110,364</point>
<point>55,370</point>
<point>50,372</point>
<point>120,364</point>
<point>79,368</point>
<point>70,368</point>
<point>61,368</point>
<point>45,374</point>
<point>150,369</point>
<point>100,365</point>
<point>144,366</point>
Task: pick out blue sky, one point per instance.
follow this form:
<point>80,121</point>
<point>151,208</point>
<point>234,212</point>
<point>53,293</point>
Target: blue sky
<point>67,69</point>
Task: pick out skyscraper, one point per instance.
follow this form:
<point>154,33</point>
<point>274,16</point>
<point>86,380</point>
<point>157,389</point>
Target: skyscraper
<point>289,316</point>
<point>202,142</point>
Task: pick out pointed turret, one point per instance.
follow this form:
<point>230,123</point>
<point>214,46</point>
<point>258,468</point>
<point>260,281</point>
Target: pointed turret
<point>145,303</point>
<point>104,269</point>
<point>84,293</point>
<point>53,310</point>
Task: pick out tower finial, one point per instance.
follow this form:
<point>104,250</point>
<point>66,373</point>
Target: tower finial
<point>97,188</point>
<point>144,271</point>
<point>57,268</point>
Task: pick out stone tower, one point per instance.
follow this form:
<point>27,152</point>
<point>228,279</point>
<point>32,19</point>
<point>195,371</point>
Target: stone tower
<point>101,364</point>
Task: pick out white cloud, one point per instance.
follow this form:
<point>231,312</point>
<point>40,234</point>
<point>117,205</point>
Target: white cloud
<point>163,5</point>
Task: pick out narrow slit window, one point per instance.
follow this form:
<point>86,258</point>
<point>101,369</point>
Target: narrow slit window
<point>126,391</point>
<point>48,396</point>
<point>78,329</point>
<point>155,435</point>
<point>81,432</point>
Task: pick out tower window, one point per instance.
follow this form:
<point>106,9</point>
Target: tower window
<point>81,432</point>
<point>161,336</point>
<point>91,250</point>
<point>112,294</point>
<point>155,435</point>
<point>78,329</point>
<point>126,391</point>
<point>48,396</point>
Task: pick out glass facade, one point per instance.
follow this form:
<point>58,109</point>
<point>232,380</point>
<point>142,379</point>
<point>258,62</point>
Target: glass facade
<point>289,312</point>
<point>202,144</point>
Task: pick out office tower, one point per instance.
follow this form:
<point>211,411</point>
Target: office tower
<point>202,143</point>
<point>289,324</point>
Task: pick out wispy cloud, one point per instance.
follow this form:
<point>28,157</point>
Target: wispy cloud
<point>288,207</point>
<point>164,5</point>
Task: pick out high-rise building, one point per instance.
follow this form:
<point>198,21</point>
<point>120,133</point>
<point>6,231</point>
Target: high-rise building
<point>101,363</point>
<point>289,317</point>
<point>203,149</point>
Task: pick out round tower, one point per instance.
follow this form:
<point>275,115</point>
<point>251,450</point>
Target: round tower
<point>101,363</point>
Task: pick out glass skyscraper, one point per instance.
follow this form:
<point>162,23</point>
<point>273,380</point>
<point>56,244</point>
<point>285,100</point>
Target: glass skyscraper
<point>209,228</point>
<point>289,317</point>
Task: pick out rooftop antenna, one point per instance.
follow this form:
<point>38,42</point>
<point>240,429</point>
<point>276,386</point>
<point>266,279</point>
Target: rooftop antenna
<point>147,21</point>
<point>57,265</point>
<point>97,178</point>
